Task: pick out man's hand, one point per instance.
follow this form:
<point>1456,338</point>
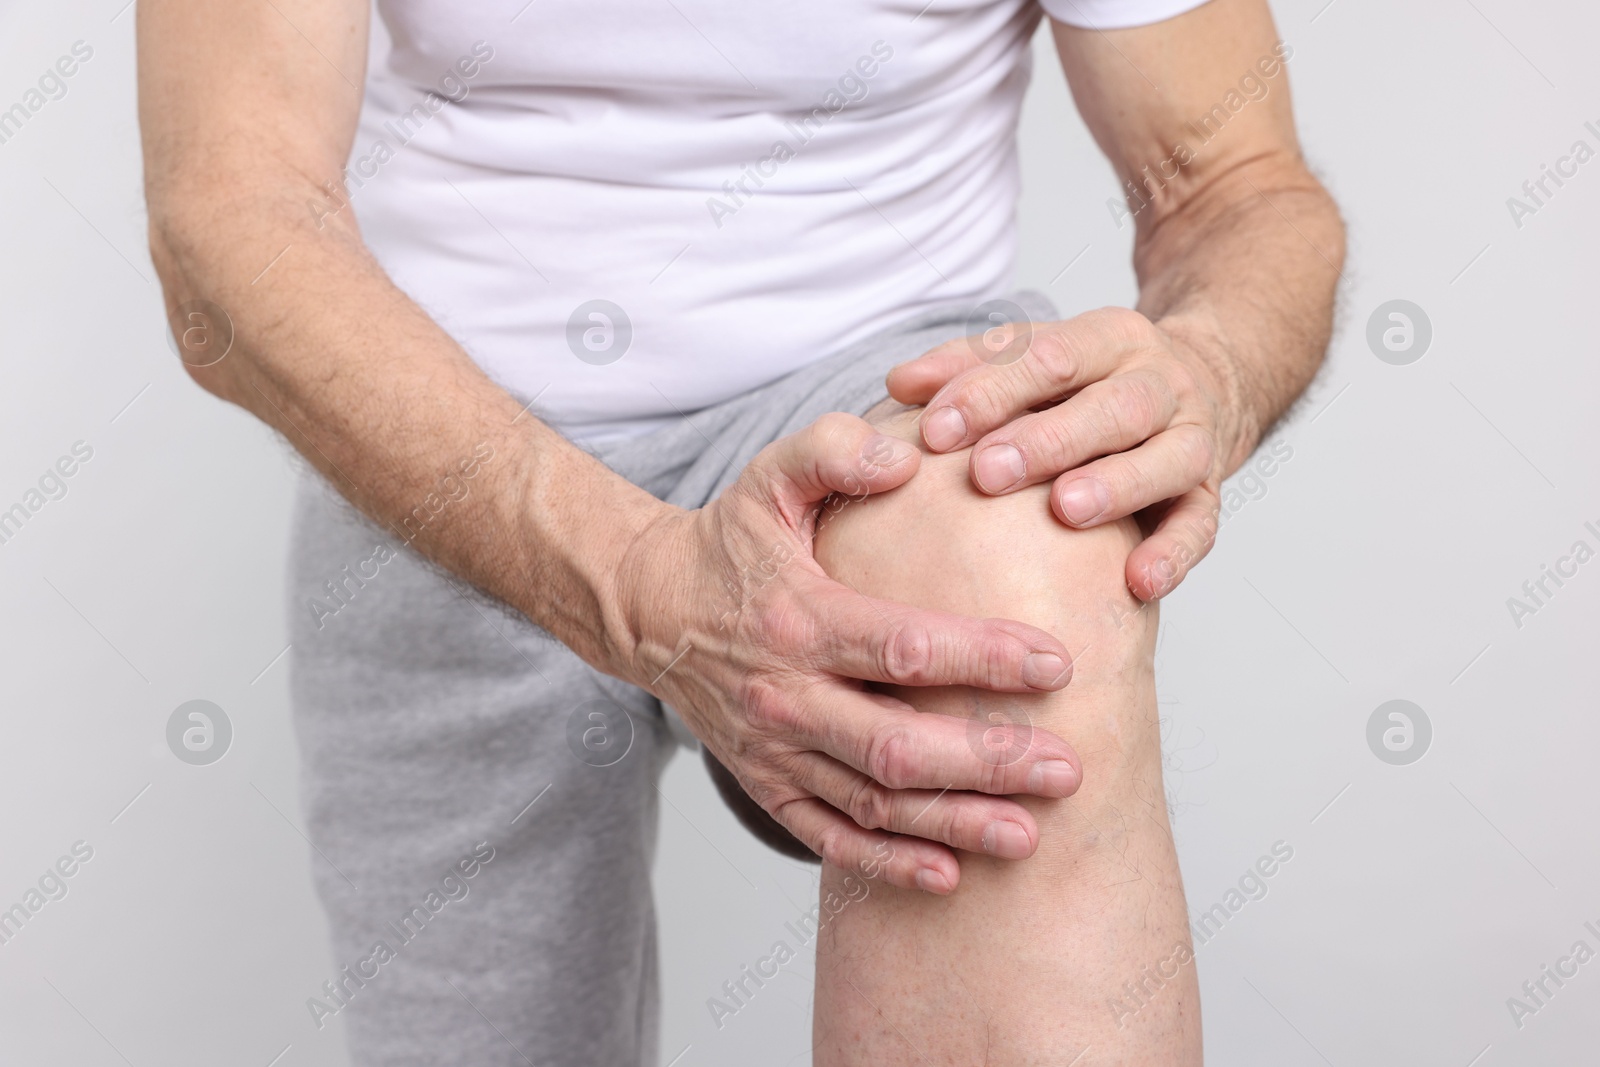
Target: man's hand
<point>1134,414</point>
<point>1238,249</point>
<point>727,616</point>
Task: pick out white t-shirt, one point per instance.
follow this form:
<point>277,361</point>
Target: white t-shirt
<point>626,210</point>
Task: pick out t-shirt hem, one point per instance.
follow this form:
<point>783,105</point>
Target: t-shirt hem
<point>1116,14</point>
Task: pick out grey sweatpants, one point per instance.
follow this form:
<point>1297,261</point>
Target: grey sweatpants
<point>482,802</point>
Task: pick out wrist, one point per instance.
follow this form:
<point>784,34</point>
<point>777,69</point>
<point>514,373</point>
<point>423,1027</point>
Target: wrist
<point>581,526</point>
<point>1239,412</point>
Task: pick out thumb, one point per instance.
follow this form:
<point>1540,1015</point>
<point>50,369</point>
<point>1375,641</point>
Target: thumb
<point>838,453</point>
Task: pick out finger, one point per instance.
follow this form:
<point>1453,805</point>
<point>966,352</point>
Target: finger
<point>1163,468</point>
<point>1104,417</point>
<point>972,821</point>
<point>1061,358</point>
<point>906,862</point>
<point>755,818</point>
<point>1180,540</point>
<point>916,381</point>
<point>838,453</point>
<point>880,641</point>
<point>996,749</point>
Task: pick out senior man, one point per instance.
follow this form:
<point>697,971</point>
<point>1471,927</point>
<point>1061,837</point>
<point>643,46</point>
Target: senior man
<point>647,326</point>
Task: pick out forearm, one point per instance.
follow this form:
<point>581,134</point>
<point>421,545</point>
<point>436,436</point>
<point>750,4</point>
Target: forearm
<point>1244,273</point>
<point>247,115</point>
<point>384,403</point>
<point>1238,248</point>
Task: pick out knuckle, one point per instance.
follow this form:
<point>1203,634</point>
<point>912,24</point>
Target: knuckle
<point>1185,382</point>
<point>967,821</point>
<point>907,655</point>
<point>822,438</point>
<point>971,393</point>
<point>1051,356</point>
<point>833,845</point>
<point>868,804</point>
<point>781,626</point>
<point>951,819</point>
<point>1061,434</point>
<point>769,708</point>
<point>1137,406</point>
<point>837,428</point>
<point>1124,323</point>
<point>997,778</point>
<point>1126,480</point>
<point>787,813</point>
<point>890,757</point>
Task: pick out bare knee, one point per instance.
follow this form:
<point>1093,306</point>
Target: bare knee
<point>936,542</point>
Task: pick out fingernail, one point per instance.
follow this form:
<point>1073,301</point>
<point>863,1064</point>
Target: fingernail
<point>932,881</point>
<point>1053,778</point>
<point>1083,500</point>
<point>1045,670</point>
<point>1006,840</point>
<point>944,429</point>
<point>998,468</point>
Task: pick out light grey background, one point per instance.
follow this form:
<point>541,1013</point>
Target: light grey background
<point>1376,565</point>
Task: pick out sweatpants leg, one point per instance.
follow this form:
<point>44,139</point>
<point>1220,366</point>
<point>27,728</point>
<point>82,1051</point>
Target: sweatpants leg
<point>428,723</point>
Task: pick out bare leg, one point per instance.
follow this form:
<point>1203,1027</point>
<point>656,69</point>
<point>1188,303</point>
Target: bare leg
<point>1084,946</point>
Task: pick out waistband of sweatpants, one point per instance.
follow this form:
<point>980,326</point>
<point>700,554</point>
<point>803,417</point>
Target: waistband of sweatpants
<point>690,461</point>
